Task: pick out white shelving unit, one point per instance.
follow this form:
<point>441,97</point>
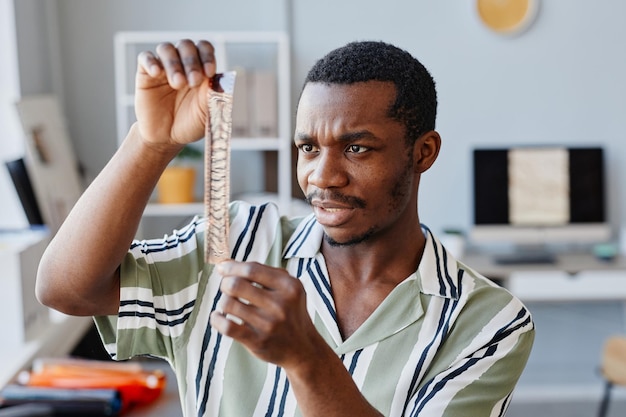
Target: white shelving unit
<point>262,52</point>
<point>33,330</point>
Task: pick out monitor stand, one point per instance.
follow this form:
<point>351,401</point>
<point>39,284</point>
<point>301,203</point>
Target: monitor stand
<point>525,255</point>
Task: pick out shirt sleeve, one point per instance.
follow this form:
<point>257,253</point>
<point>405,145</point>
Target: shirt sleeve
<point>481,380</point>
<point>158,289</point>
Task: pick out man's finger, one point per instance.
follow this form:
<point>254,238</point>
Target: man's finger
<point>149,64</point>
<point>190,59</point>
<point>168,55</point>
<point>207,57</point>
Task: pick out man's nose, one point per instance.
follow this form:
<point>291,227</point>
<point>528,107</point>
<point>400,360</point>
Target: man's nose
<point>328,171</point>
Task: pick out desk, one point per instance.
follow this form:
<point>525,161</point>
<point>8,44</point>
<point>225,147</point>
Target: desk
<point>571,263</point>
<point>572,277</point>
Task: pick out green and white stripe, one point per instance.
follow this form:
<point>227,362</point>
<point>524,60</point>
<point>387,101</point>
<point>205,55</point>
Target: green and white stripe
<point>445,342</point>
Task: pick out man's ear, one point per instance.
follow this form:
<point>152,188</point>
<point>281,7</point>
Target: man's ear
<point>425,151</point>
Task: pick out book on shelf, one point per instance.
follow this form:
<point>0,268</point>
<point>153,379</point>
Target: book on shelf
<point>24,188</point>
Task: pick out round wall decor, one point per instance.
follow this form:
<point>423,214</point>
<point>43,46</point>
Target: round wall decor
<point>507,16</point>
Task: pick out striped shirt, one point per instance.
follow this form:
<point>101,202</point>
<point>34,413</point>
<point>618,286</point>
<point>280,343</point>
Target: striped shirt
<point>445,342</point>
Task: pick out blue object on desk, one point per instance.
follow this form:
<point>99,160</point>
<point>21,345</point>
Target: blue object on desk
<point>28,410</point>
<point>605,251</point>
<point>65,402</point>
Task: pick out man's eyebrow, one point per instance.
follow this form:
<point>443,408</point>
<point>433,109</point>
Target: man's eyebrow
<point>345,137</point>
<point>357,135</point>
<point>303,137</point>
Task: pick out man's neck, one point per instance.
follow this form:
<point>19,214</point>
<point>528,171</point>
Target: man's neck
<point>376,259</point>
<point>364,274</point>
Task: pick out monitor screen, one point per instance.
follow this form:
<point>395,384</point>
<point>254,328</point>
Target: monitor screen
<point>539,195</point>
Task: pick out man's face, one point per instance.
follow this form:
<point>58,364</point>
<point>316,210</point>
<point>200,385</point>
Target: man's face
<point>354,165</point>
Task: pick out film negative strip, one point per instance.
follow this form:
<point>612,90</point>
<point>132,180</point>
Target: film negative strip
<point>217,167</point>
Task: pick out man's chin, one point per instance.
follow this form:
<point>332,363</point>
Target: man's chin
<point>349,241</point>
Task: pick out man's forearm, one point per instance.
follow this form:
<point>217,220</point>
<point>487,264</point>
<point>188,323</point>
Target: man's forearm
<point>77,273</point>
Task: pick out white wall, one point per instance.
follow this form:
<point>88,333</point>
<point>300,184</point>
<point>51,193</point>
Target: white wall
<point>562,82</point>
<point>86,37</point>
<point>11,213</point>
<point>34,43</point>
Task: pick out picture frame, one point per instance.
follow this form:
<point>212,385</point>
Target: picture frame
<point>49,158</point>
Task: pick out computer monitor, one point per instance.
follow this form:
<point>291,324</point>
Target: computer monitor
<point>536,196</point>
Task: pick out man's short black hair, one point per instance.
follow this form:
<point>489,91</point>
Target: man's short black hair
<point>416,96</point>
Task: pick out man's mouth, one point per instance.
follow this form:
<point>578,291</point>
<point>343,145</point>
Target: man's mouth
<point>331,215</point>
<point>334,200</point>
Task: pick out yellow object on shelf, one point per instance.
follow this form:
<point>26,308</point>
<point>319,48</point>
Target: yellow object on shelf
<point>176,185</point>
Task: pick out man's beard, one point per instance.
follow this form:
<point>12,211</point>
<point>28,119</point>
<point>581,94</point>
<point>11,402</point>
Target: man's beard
<point>352,242</point>
<point>397,197</point>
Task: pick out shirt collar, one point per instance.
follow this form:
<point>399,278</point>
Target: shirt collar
<point>437,274</point>
<point>306,240</point>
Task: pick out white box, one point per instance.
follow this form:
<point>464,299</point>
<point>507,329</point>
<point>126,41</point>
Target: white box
<point>23,316</point>
<point>264,99</point>
<point>241,105</point>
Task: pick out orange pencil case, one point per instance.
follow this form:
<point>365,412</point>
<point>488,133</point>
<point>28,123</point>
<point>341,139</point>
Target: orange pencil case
<point>135,384</point>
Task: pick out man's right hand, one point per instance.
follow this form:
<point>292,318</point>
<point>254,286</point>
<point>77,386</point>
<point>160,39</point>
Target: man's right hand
<point>171,107</point>
<point>171,92</point>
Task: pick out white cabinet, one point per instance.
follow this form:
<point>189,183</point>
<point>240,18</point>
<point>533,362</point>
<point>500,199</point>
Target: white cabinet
<point>29,329</point>
<point>19,256</point>
<point>262,109</point>
<point>551,285</point>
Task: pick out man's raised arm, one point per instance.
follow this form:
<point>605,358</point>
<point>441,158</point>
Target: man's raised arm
<point>78,273</point>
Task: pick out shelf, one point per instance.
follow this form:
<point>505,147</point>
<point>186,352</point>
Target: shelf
<point>154,209</point>
<point>255,144</point>
<point>184,209</point>
<point>263,124</point>
<point>60,336</point>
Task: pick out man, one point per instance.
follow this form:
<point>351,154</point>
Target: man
<point>356,310</point>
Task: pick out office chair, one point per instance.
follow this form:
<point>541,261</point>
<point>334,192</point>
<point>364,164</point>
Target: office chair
<point>613,369</point>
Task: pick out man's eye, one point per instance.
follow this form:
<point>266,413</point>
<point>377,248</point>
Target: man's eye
<point>307,148</point>
<point>356,149</point>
